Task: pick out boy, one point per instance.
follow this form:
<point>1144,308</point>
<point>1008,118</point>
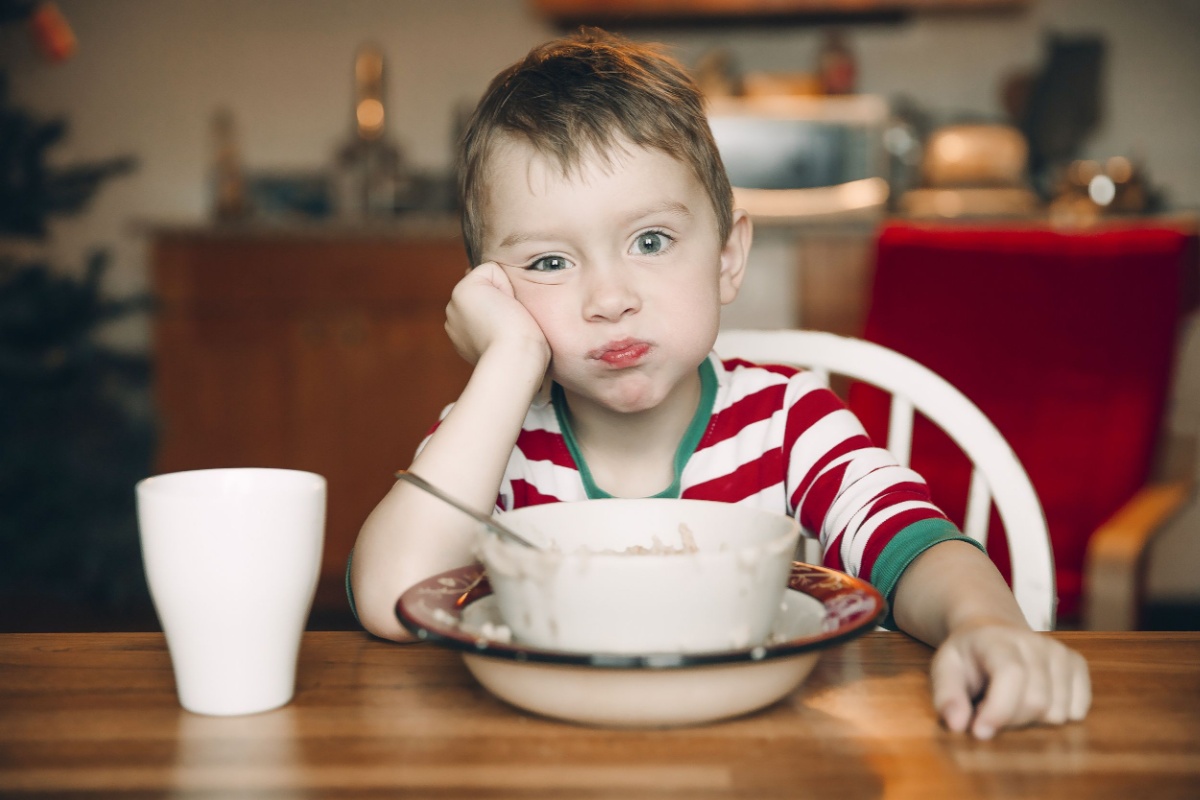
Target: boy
<point>601,218</point>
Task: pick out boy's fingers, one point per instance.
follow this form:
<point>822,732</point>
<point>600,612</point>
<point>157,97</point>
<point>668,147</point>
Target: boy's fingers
<point>1062,678</point>
<point>1002,704</point>
<point>951,693</point>
<point>493,273</point>
<point>1017,680</point>
<point>1081,688</point>
<point>956,713</point>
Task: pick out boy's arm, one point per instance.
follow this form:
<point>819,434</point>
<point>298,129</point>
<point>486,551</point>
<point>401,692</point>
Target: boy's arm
<point>991,670</point>
<point>411,535</point>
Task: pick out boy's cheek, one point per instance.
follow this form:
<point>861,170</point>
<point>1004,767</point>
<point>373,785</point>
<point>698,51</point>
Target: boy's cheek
<point>538,298</point>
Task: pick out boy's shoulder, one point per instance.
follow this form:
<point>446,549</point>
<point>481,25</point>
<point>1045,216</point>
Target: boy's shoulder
<point>754,400</point>
<point>745,373</point>
<point>741,368</point>
<point>739,378</point>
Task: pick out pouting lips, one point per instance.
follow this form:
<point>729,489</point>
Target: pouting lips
<point>621,354</point>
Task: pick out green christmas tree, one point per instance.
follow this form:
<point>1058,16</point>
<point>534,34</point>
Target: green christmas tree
<point>75,432</point>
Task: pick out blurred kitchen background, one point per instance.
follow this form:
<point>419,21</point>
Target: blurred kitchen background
<point>242,233</point>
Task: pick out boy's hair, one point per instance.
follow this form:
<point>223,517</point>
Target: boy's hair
<point>575,96</point>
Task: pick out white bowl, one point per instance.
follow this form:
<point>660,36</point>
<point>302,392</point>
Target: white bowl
<point>713,579</point>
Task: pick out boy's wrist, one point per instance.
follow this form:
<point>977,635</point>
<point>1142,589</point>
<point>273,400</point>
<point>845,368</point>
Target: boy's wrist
<point>962,623</point>
<point>517,365</point>
<point>950,588</point>
<point>523,355</point>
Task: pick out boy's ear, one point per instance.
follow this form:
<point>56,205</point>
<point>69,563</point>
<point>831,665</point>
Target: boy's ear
<point>734,256</point>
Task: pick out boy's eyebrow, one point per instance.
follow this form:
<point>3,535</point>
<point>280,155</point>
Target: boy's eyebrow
<point>669,207</point>
<point>519,237</point>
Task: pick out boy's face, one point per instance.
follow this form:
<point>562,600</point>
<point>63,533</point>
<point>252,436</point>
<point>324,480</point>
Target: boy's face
<point>620,264</point>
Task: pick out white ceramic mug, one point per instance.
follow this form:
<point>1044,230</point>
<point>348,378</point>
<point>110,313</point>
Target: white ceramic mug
<point>232,558</point>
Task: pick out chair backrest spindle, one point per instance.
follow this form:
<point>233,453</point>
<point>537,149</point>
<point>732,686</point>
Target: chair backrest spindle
<point>900,429</point>
<point>979,508</point>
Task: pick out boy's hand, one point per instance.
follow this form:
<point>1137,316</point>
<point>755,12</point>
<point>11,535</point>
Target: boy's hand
<point>998,676</point>
<point>483,311</point>
<point>990,670</point>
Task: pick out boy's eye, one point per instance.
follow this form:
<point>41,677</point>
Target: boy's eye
<point>651,243</point>
<point>549,264</point>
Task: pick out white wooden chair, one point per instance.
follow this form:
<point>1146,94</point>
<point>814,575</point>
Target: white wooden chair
<point>997,476</point>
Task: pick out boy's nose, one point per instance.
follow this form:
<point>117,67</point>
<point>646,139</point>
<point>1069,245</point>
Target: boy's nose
<point>610,292</point>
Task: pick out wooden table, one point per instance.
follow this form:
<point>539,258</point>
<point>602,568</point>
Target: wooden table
<point>96,715</point>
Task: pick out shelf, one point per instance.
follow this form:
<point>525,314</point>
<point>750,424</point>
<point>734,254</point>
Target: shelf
<point>602,12</point>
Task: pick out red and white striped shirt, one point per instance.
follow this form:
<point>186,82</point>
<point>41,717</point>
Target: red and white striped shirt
<point>769,436</point>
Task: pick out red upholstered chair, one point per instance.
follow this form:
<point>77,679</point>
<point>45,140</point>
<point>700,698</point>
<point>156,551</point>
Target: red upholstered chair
<point>1066,340</point>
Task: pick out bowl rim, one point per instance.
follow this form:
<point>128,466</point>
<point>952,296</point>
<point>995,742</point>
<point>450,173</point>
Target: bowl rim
<point>791,532</point>
<point>430,611</point>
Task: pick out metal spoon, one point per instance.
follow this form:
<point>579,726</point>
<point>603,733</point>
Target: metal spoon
<point>488,520</point>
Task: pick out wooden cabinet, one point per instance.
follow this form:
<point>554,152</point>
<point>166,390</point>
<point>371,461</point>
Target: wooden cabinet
<point>834,270</point>
<point>321,351</point>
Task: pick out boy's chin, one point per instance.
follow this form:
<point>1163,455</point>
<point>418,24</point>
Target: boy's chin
<point>630,396</point>
<point>634,405</point>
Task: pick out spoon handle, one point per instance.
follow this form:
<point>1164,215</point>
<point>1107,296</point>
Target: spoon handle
<point>488,520</point>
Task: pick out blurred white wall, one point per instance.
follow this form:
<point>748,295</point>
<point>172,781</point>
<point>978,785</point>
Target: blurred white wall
<point>149,74</point>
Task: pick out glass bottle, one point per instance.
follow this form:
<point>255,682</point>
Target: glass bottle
<point>836,67</point>
<point>369,163</point>
<point>228,180</point>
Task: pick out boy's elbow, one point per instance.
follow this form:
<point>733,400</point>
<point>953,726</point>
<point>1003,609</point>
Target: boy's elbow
<point>383,624</point>
<point>375,613</point>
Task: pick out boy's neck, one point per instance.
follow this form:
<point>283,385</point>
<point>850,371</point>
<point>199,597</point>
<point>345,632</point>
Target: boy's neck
<point>633,455</point>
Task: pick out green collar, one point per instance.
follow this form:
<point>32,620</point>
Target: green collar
<point>687,446</point>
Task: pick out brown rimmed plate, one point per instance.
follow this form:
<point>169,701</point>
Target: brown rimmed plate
<point>821,608</point>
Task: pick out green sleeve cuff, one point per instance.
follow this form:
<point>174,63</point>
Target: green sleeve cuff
<point>904,547</point>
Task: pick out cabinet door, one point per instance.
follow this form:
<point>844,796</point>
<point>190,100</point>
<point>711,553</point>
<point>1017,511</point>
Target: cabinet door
<point>835,281</point>
<point>366,389</point>
<point>327,356</point>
